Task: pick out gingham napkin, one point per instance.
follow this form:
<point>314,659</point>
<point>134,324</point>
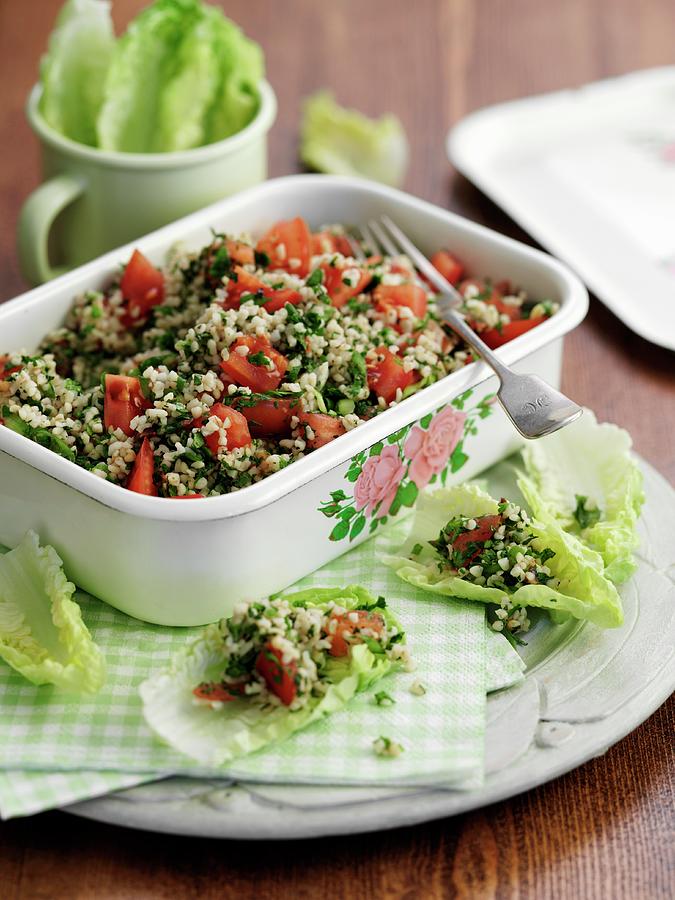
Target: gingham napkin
<point>56,748</point>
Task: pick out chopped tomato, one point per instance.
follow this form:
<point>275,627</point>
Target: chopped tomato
<point>338,291</point>
<point>485,528</point>
<point>5,372</point>
<point>238,434</point>
<point>325,428</point>
<point>218,693</point>
<point>270,299</point>
<point>123,401</point>
<point>494,338</point>
<point>265,376</point>
<point>345,628</point>
<point>269,417</point>
<point>387,375</point>
<point>448,265</point>
<point>390,296</point>
<point>142,287</point>
<point>279,676</point>
<point>288,246</point>
<point>141,478</point>
<point>327,242</point>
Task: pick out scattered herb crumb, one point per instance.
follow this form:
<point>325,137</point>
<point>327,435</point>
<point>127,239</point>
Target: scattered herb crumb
<point>382,698</point>
<point>384,746</point>
<point>417,688</point>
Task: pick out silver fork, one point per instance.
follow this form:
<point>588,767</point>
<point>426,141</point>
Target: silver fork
<point>535,408</point>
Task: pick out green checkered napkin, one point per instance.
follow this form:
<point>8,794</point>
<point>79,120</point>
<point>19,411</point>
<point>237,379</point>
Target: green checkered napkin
<point>57,748</point>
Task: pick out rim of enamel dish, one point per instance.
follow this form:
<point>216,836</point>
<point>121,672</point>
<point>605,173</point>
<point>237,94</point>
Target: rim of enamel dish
<point>273,487</point>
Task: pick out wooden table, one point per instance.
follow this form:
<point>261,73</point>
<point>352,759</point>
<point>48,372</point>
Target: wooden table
<point>605,830</point>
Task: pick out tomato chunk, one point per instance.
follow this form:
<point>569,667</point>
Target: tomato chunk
<point>270,299</point>
<point>279,676</point>
<point>238,434</point>
<point>327,242</point>
<point>141,478</point>
<point>142,287</point>
<point>264,373</point>
<point>448,265</point>
<point>269,417</point>
<point>390,296</point>
<point>325,428</point>
<point>386,375</point>
<point>123,401</point>
<point>334,282</point>
<point>490,294</point>
<point>494,338</point>
<point>343,635</point>
<point>485,528</point>
<point>288,246</point>
<point>218,693</point>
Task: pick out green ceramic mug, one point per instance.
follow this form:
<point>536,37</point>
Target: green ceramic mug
<point>94,200</point>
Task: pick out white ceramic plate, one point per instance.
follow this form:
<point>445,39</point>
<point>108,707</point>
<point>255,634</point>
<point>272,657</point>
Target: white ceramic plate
<point>590,173</point>
<point>584,690</point>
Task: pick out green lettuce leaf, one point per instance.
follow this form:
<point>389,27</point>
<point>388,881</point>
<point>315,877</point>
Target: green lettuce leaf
<point>216,737</point>
<point>241,69</point>
<point>590,461</point>
<point>345,142</point>
<point>584,592</point>
<point>42,634</point>
<point>74,68</point>
<point>144,60</point>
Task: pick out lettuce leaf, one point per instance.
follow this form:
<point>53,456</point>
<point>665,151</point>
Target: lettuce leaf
<point>181,76</point>
<point>74,68</point>
<point>143,61</point>
<point>216,737</point>
<point>592,461</point>
<point>42,634</point>
<point>241,69</point>
<point>584,592</point>
<point>345,142</point>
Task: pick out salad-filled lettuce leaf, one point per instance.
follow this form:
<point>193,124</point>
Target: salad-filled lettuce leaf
<point>215,737</point>
<point>74,68</point>
<point>582,591</point>
<point>42,634</point>
<point>585,480</point>
<point>343,141</point>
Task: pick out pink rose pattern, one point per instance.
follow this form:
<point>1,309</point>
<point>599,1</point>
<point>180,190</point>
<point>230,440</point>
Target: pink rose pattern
<point>430,450</point>
<point>391,475</point>
<point>379,481</point>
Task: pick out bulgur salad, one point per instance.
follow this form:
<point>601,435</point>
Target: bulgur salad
<point>274,667</point>
<point>234,361</point>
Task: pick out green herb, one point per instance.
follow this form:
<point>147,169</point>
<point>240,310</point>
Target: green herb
<point>262,260</point>
<point>416,550</point>
<point>382,698</point>
<point>315,279</point>
<point>259,359</point>
<point>220,264</point>
<point>585,515</point>
<point>358,372</point>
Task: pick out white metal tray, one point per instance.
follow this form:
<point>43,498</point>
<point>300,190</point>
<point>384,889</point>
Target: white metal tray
<point>590,173</point>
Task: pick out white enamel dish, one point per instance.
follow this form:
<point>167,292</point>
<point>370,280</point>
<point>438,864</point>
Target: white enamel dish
<point>187,563</point>
<point>590,173</point>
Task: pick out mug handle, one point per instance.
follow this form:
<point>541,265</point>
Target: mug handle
<point>35,221</point>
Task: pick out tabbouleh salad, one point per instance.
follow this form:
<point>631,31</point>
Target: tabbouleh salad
<point>232,362</point>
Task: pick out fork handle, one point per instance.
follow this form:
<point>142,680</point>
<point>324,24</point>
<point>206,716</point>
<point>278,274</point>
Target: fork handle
<point>457,323</point>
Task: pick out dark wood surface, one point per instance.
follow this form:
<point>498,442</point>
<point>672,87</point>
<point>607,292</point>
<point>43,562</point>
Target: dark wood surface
<point>605,830</point>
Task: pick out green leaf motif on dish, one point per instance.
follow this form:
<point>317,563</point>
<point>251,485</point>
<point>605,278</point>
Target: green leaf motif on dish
<point>389,476</point>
